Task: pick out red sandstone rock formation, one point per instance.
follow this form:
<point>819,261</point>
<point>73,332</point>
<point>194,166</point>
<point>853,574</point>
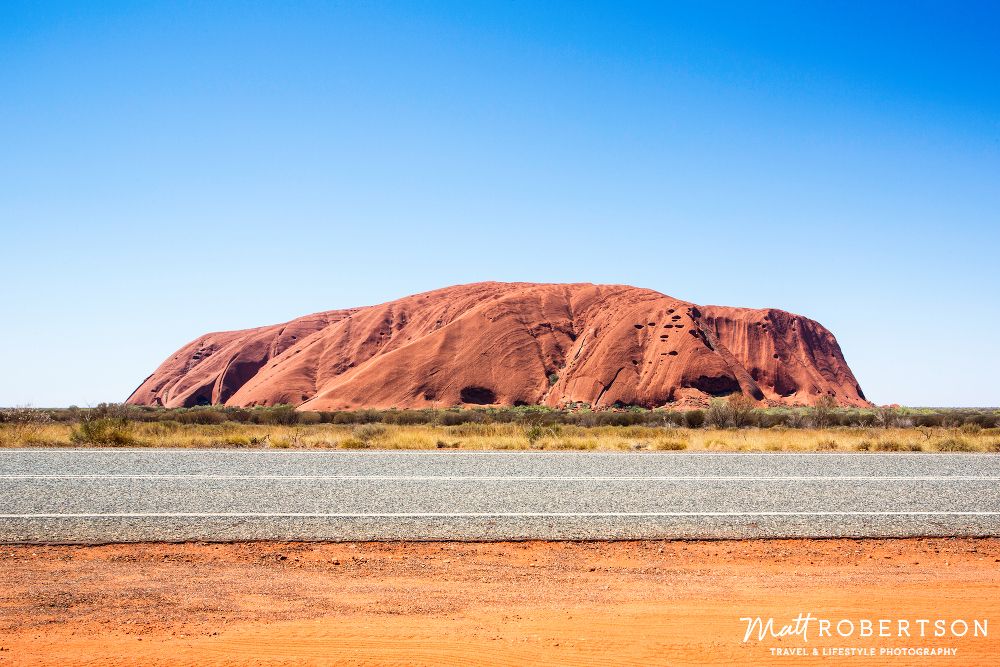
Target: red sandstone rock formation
<point>512,344</point>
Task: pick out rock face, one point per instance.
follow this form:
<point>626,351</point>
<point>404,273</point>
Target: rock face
<point>512,344</point>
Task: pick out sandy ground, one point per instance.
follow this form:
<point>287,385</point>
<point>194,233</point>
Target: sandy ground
<point>536,603</point>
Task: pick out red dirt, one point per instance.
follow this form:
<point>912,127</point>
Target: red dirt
<point>501,343</point>
<point>625,603</point>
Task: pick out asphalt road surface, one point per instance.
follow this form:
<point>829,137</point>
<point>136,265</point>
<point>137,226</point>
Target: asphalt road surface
<point>97,496</point>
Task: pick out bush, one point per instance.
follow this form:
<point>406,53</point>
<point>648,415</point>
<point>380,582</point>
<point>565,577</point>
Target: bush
<point>201,416</point>
<point>533,434</point>
<point>409,417</point>
<point>742,409</point>
<point>768,419</point>
<point>886,416</point>
<point>113,431</point>
<point>669,445</point>
<point>827,445</point>
<point>718,414</point>
<point>694,418</point>
<point>353,443</point>
<point>283,415</point>
<point>452,418</point>
<point>888,446</point>
<point>240,415</point>
<point>954,444</point>
<point>309,418</point>
<point>22,425</point>
<point>929,420</point>
<point>822,411</point>
<point>366,433</point>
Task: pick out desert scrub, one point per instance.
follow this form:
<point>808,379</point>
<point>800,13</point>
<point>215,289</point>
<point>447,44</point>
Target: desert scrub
<point>160,429</point>
<point>533,434</point>
<point>483,430</point>
<point>669,445</point>
<point>954,444</point>
<point>888,446</point>
<point>236,441</point>
<point>22,426</point>
<point>501,430</point>
<point>113,431</point>
<point>577,444</point>
<point>368,433</point>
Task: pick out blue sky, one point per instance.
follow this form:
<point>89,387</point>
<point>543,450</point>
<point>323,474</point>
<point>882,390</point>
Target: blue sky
<point>169,169</point>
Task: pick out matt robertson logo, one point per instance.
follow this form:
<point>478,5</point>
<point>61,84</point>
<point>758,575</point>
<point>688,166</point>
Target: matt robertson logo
<point>805,625</point>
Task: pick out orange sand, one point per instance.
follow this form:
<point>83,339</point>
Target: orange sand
<point>627,603</point>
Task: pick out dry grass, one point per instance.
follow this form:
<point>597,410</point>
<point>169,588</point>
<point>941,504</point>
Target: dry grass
<point>506,436</point>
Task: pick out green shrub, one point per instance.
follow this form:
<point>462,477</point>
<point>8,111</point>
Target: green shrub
<point>929,420</point>
<point>533,433</point>
<point>451,418</point>
<point>112,431</point>
<point>309,418</point>
<point>694,418</point>
<point>409,417</point>
<point>201,416</point>
<point>239,415</point>
<point>718,414</point>
<point>775,419</point>
<point>823,411</point>
<point>284,415</point>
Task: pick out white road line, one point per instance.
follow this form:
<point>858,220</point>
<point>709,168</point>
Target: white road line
<point>445,515</point>
<point>523,478</point>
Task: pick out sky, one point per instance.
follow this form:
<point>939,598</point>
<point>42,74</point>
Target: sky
<point>168,169</point>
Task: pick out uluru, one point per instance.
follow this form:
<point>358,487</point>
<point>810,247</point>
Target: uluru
<point>495,343</point>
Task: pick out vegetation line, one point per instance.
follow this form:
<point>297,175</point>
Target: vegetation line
<point>731,425</point>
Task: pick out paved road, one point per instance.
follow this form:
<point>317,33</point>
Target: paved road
<point>138,495</point>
